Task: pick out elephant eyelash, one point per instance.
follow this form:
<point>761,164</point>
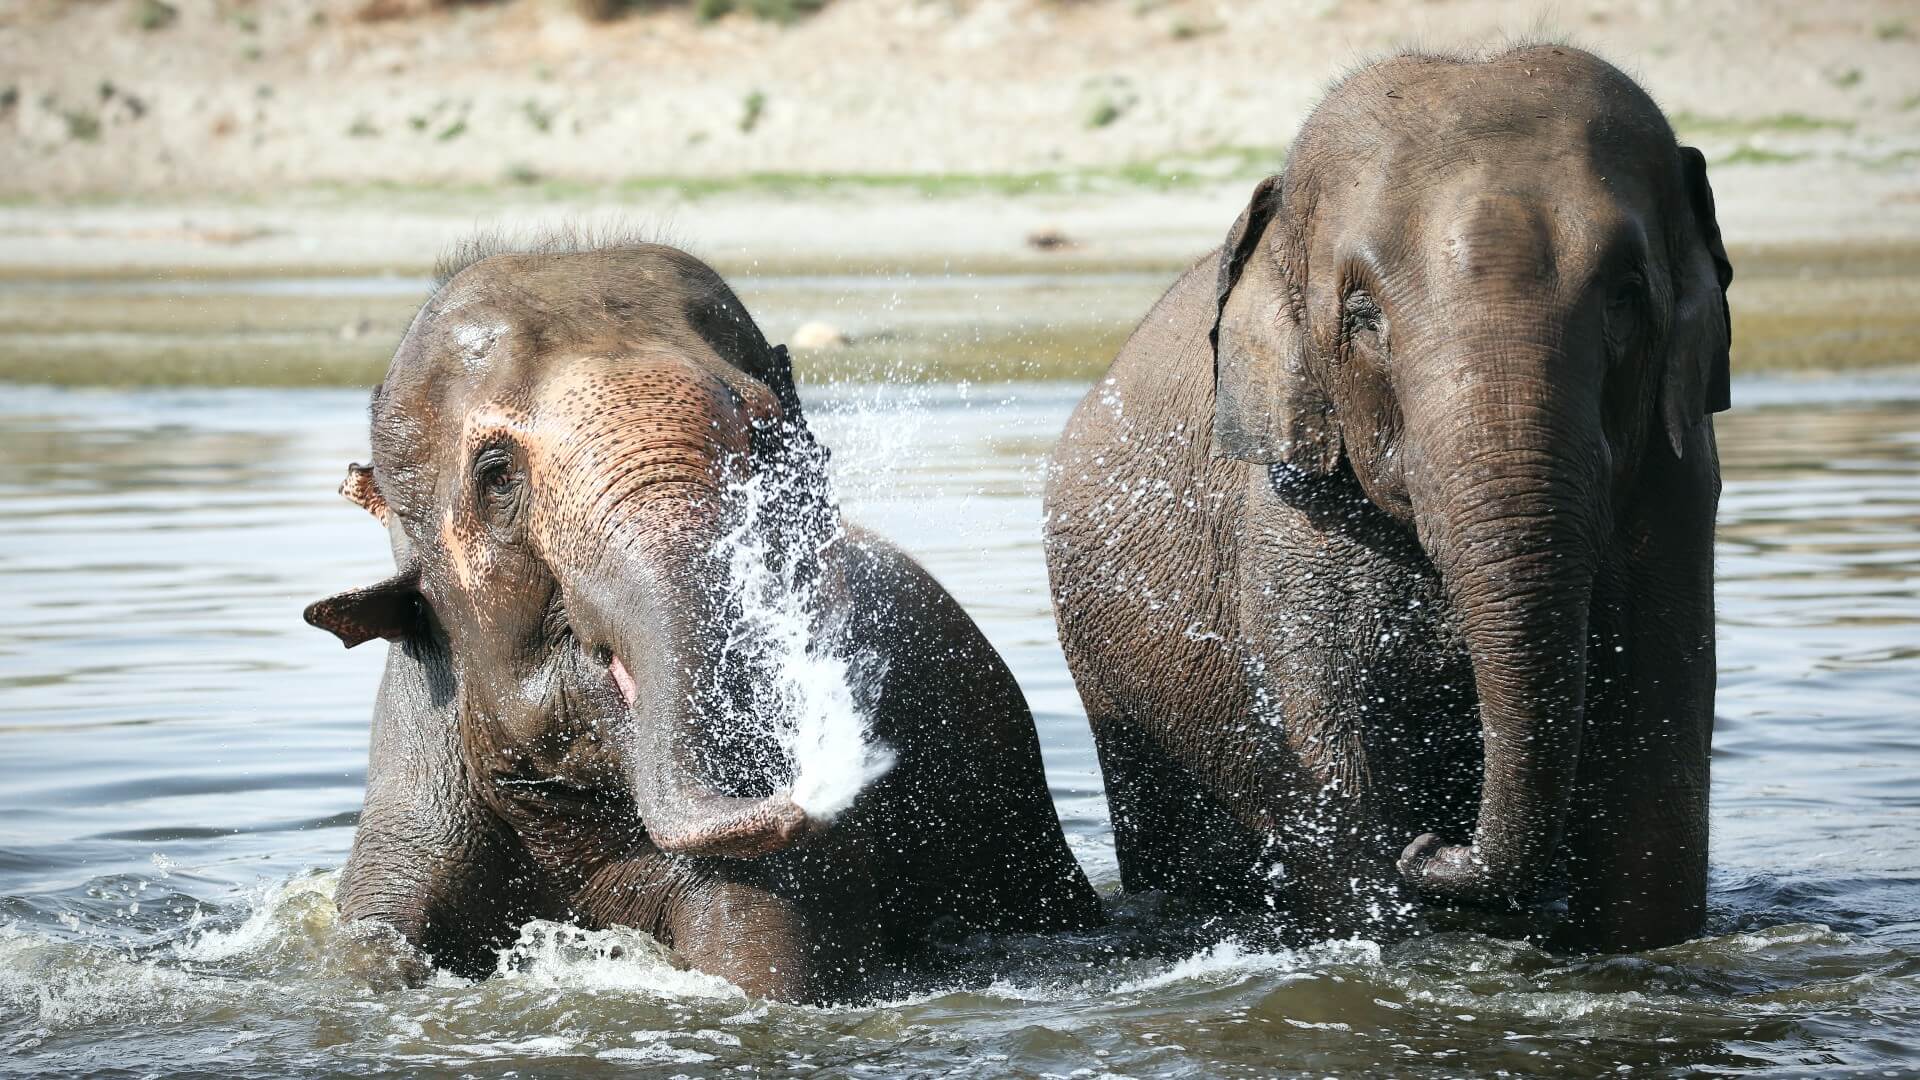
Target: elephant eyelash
<point>1629,292</point>
<point>557,626</point>
<point>498,493</point>
<point>1359,314</point>
<point>493,470</point>
<point>1624,305</point>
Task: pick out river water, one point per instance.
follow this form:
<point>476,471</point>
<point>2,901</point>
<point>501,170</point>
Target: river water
<point>181,760</point>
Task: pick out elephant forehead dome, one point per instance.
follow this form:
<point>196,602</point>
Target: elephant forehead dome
<point>504,316</point>
<point>1437,100</point>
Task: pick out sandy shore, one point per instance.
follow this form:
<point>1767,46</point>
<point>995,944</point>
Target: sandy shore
<point>242,96</point>
<point>302,135</point>
<point>849,227</point>
<point>237,135</point>
<point>933,139</point>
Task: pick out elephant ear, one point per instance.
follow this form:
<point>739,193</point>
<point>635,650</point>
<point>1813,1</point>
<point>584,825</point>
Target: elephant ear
<point>360,490</point>
<point>390,609</point>
<point>1265,407</point>
<point>783,438</point>
<point>1696,380</point>
<point>780,381</point>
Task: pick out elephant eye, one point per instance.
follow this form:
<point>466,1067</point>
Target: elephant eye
<point>495,477</point>
<point>1360,315</point>
<point>1626,296</point>
<point>1624,305</point>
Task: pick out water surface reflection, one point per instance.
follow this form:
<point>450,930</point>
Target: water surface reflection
<point>182,757</point>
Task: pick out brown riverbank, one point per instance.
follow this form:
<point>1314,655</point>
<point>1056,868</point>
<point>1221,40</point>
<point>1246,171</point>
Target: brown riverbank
<point>236,140</point>
<point>1797,307</point>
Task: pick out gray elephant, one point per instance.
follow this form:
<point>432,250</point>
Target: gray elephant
<point>1382,555</point>
<point>572,725</point>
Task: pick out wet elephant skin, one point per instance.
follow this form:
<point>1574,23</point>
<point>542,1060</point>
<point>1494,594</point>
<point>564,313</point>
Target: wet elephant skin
<point>1382,555</point>
<point>554,446</point>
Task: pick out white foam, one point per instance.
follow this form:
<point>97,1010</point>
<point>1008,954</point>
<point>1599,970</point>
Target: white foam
<point>654,1054</point>
<point>560,956</point>
<point>1229,961</point>
<point>301,905</point>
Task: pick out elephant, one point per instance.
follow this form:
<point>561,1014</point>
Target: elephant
<point>572,725</point>
<point>1382,554</point>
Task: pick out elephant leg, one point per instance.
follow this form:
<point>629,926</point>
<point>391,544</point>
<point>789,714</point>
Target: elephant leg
<point>428,859</point>
<point>751,934</point>
<point>801,926</point>
<point>1636,852</point>
<point>1170,831</point>
<point>1638,863</point>
<point>444,876</point>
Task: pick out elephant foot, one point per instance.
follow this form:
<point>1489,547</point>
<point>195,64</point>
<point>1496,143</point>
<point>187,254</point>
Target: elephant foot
<point>1437,868</point>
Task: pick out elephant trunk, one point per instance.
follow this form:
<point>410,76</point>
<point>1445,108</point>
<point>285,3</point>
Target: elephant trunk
<point>1507,513</point>
<point>634,539</point>
<point>698,784</point>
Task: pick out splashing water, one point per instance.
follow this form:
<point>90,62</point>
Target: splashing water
<point>811,692</point>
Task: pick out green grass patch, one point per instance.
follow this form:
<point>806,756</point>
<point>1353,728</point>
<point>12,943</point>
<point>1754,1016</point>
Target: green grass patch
<point>1833,340</point>
<point>1825,307</point>
<point>783,12</point>
<point>1011,354</point>
<point>1893,159</point>
<point>1228,164</point>
<point>83,125</point>
<point>1749,154</point>
<point>154,14</point>
<point>1694,125</point>
<point>1160,174</point>
<point>1187,29</point>
<point>751,109</point>
<point>196,365</point>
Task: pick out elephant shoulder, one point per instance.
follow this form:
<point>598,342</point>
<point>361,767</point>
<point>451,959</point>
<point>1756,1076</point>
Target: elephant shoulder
<point>1136,456</point>
<point>893,592</point>
<point>1178,325</point>
<point>1159,387</point>
<point>898,606</point>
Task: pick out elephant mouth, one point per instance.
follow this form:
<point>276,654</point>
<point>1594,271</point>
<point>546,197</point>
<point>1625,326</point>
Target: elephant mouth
<point>622,680</point>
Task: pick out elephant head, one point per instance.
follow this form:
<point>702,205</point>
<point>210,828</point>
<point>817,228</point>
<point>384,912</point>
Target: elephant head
<point>1494,293</point>
<point>554,450</point>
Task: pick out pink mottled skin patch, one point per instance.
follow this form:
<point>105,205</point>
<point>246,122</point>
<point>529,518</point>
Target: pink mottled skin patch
<point>471,557</point>
<point>359,489</point>
<point>608,429</point>
<point>624,680</point>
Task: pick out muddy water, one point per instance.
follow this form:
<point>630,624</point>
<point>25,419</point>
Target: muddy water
<point>181,760</point>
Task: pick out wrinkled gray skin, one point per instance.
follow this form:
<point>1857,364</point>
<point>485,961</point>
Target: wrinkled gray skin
<point>1382,555</point>
<point>553,738</point>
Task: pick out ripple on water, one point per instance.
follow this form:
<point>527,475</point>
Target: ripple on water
<point>179,749</point>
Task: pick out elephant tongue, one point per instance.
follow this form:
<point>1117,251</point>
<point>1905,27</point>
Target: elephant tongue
<point>623,680</point>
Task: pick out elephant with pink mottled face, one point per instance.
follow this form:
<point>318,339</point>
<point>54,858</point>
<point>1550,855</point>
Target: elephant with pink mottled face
<point>558,447</point>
